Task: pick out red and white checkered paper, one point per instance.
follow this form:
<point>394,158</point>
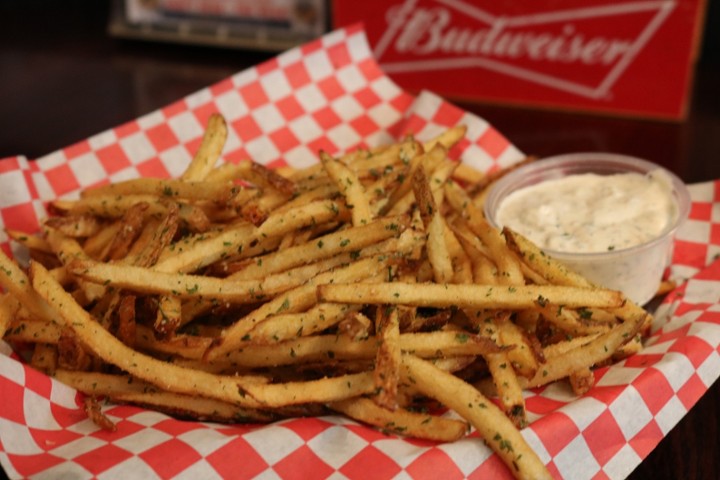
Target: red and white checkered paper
<point>330,94</point>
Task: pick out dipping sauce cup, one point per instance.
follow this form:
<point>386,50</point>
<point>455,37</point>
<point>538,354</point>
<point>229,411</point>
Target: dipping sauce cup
<point>636,270</point>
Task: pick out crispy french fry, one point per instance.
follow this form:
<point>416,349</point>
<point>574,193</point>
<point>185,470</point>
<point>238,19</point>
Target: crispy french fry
<point>282,327</point>
<point>387,360</point>
<point>170,189</point>
<point>437,249</point>
<point>469,296</point>
<point>8,308</point>
<point>350,186</point>
<point>401,421</point>
<point>75,225</point>
<point>323,390</point>
<point>209,151</point>
<point>14,281</point>
<point>494,427</point>
<point>447,139</point>
<point>536,259</point>
<point>467,174</point>
<point>95,413</point>
<point>144,280</point>
<point>98,246</point>
<point>31,242</point>
<point>108,206</point>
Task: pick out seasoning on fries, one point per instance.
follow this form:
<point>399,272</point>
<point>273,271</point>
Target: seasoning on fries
<point>369,284</point>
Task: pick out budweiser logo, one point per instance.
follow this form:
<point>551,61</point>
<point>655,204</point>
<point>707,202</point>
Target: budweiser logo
<point>572,50</point>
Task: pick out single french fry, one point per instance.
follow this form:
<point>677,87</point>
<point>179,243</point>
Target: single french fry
<point>98,246</point>
<point>180,285</point>
<point>16,283</point>
<point>209,151</point>
<point>581,380</point>
<point>350,186</point>
<point>401,421</point>
<point>386,374</point>
<point>75,225</point>
<point>437,249</point>
<point>447,139</point>
<point>467,174</point>
<point>508,388</point>
<point>219,192</point>
<point>108,206</point>
<point>102,384</point>
<point>568,320</point>
<point>282,327</point>
<point>555,349</point>
<point>549,268</point>
<point>323,390</point>
<point>469,296</point>
<point>94,412</point>
<point>33,331</point>
<point>195,407</point>
<point>263,176</point>
<point>494,427</point>
<point>8,308</point>
<point>31,242</point>
<point>461,263</point>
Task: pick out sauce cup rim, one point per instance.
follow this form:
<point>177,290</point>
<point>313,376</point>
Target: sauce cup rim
<point>559,166</point>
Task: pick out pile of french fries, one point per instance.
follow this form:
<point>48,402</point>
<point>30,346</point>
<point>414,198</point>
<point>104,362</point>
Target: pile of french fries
<point>369,284</point>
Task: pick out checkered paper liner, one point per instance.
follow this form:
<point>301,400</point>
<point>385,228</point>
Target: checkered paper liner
<point>330,94</point>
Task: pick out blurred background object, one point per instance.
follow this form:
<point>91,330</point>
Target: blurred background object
<point>65,78</point>
<point>265,25</point>
<point>621,57</point>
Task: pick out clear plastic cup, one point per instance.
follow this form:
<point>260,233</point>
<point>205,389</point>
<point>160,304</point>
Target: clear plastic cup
<point>636,271</point>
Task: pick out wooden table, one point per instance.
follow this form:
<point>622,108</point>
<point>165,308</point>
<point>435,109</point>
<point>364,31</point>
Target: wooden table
<point>62,79</point>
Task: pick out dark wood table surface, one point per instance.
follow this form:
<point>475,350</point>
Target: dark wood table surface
<point>62,79</point>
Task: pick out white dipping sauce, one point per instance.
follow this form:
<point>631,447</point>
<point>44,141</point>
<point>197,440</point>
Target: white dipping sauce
<point>590,213</point>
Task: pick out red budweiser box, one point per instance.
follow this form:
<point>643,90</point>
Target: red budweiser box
<point>627,57</point>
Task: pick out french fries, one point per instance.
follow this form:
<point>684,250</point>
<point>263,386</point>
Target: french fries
<point>369,284</point>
